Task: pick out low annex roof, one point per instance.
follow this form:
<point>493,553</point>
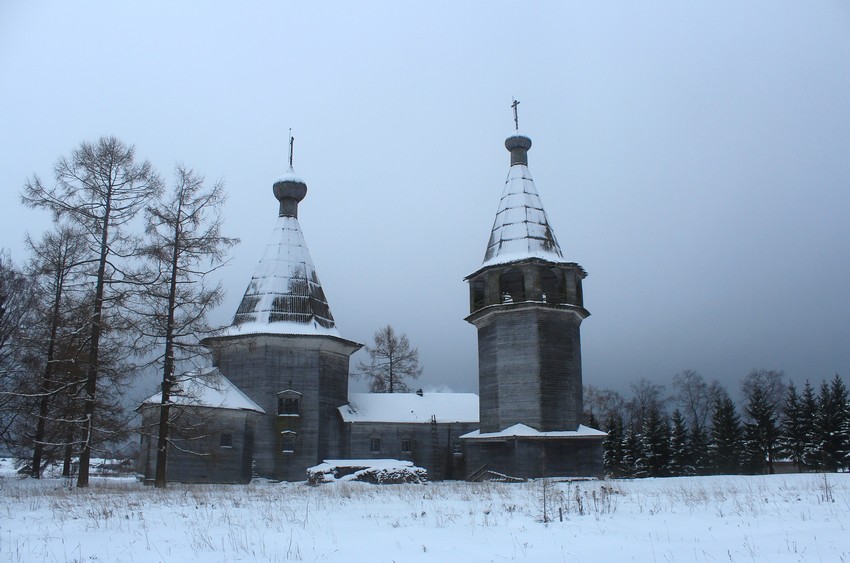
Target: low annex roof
<point>410,407</point>
<point>523,431</point>
<point>207,387</point>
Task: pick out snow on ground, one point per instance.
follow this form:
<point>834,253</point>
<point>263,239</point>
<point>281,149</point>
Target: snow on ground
<point>737,519</point>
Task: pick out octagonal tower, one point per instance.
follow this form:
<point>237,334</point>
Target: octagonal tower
<point>526,303</point>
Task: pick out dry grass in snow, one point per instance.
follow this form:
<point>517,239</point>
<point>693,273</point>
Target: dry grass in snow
<point>710,519</point>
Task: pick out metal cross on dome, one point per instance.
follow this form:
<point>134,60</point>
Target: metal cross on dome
<point>291,144</point>
<point>516,118</point>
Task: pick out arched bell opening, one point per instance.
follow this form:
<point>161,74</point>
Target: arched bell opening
<point>553,285</point>
<point>512,286</point>
<point>479,293</point>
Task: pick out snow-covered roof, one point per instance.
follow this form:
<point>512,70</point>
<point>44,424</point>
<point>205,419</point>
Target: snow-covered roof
<point>410,407</point>
<point>374,463</point>
<point>523,431</point>
<point>284,295</point>
<point>521,229</point>
<point>207,388</point>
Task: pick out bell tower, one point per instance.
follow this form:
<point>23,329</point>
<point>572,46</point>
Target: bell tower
<point>526,302</point>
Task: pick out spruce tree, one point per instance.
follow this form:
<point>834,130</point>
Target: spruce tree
<point>829,424</point>
<point>681,456</point>
<point>656,443</point>
<point>612,447</point>
<point>808,411</point>
<point>761,431</point>
<point>793,438</point>
<point>699,441</point>
<point>842,438</point>
<point>726,439</point>
<point>633,458</point>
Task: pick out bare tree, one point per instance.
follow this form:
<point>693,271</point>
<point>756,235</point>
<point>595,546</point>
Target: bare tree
<point>392,360</point>
<point>16,298</point>
<point>601,404</point>
<point>770,383</point>
<point>100,188</point>
<point>55,269</point>
<point>648,396</point>
<point>184,246</point>
<point>694,397</point>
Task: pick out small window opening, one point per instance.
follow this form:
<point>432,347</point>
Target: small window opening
<point>289,403</point>
<point>405,446</point>
<point>375,445</point>
<point>456,449</point>
<point>290,406</point>
<point>288,442</point>
<point>226,440</point>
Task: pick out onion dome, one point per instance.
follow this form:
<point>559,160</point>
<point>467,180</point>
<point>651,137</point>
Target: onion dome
<point>285,295</point>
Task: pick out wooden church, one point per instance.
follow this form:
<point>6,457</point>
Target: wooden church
<point>276,400</point>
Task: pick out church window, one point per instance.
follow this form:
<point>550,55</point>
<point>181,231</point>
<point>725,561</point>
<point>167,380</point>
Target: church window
<point>456,449</point>
<point>287,441</point>
<point>226,440</point>
<point>405,446</point>
<point>375,445</point>
<point>289,403</point>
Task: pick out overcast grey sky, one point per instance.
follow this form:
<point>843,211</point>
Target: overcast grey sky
<point>693,157</point>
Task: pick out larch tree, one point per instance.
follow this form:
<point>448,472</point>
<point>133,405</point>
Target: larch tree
<point>184,246</point>
<point>56,270</point>
<point>101,188</point>
<point>391,362</point>
<point>16,299</point>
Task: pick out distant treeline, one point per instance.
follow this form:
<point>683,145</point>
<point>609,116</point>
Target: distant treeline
<point>706,433</point>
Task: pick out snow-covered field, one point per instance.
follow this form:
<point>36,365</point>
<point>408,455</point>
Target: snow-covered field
<point>713,519</point>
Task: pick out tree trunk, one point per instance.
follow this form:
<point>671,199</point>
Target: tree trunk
<point>168,364</point>
<point>91,380</point>
<point>69,451</point>
<point>45,383</point>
